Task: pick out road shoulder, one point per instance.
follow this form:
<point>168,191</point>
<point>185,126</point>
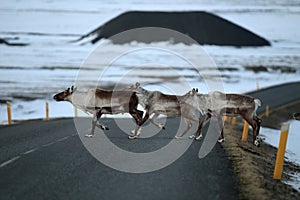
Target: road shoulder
<point>254,166</point>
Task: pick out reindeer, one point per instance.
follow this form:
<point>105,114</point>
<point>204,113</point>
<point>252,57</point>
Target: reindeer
<point>99,101</point>
<point>159,103</point>
<point>296,116</point>
<point>218,104</point>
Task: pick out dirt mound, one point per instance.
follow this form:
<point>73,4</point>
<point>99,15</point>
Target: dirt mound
<point>203,27</point>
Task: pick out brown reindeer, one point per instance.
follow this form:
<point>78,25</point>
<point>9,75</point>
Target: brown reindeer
<point>158,103</point>
<point>296,116</point>
<point>218,104</point>
<point>99,101</point>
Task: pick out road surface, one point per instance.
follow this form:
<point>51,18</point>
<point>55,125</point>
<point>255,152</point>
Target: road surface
<point>47,160</point>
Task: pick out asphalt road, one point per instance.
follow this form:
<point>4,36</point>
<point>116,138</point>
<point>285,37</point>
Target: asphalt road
<point>277,95</point>
<point>47,160</point>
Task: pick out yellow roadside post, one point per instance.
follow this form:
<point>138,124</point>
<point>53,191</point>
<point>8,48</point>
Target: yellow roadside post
<point>226,118</point>
<point>8,113</point>
<point>47,111</point>
<point>267,111</point>
<point>233,120</point>
<point>281,150</point>
<point>245,131</point>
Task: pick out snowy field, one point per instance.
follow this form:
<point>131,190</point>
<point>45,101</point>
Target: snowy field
<point>50,63</point>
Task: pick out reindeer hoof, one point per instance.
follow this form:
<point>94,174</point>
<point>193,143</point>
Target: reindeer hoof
<point>178,137</point>
<point>89,135</point>
<point>199,137</point>
<point>221,140</point>
<point>192,136</point>
<point>132,137</point>
<point>161,126</point>
<point>102,127</point>
<point>257,143</point>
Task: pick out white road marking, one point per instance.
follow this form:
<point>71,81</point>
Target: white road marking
<point>30,151</point>
<point>9,161</point>
<point>48,144</point>
<point>62,139</point>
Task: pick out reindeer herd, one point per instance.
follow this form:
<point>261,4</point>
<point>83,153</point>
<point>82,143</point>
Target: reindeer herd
<point>192,106</point>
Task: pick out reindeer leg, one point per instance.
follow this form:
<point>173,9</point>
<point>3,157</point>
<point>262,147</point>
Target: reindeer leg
<point>136,131</point>
<point>140,115</point>
<point>220,122</point>
<point>258,121</point>
<point>147,115</point>
<point>188,127</point>
<point>198,134</point>
<point>257,139</point>
<point>254,124</point>
<point>101,126</point>
<point>136,114</point>
<point>97,114</point>
<point>153,121</point>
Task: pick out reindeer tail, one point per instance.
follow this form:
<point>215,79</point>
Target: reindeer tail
<point>257,104</point>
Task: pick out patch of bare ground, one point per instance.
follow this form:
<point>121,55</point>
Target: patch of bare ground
<point>254,166</point>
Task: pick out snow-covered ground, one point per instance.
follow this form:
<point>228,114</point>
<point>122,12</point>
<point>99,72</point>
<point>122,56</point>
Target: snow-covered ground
<point>30,75</point>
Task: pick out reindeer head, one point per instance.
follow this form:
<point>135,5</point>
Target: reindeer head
<point>134,86</point>
<point>188,95</point>
<point>137,88</point>
<point>191,92</point>
<point>63,96</point>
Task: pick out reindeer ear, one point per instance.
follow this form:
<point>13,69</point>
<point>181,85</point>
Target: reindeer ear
<point>195,90</point>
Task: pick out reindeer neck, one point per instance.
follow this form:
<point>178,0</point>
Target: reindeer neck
<point>78,99</point>
<point>144,91</point>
